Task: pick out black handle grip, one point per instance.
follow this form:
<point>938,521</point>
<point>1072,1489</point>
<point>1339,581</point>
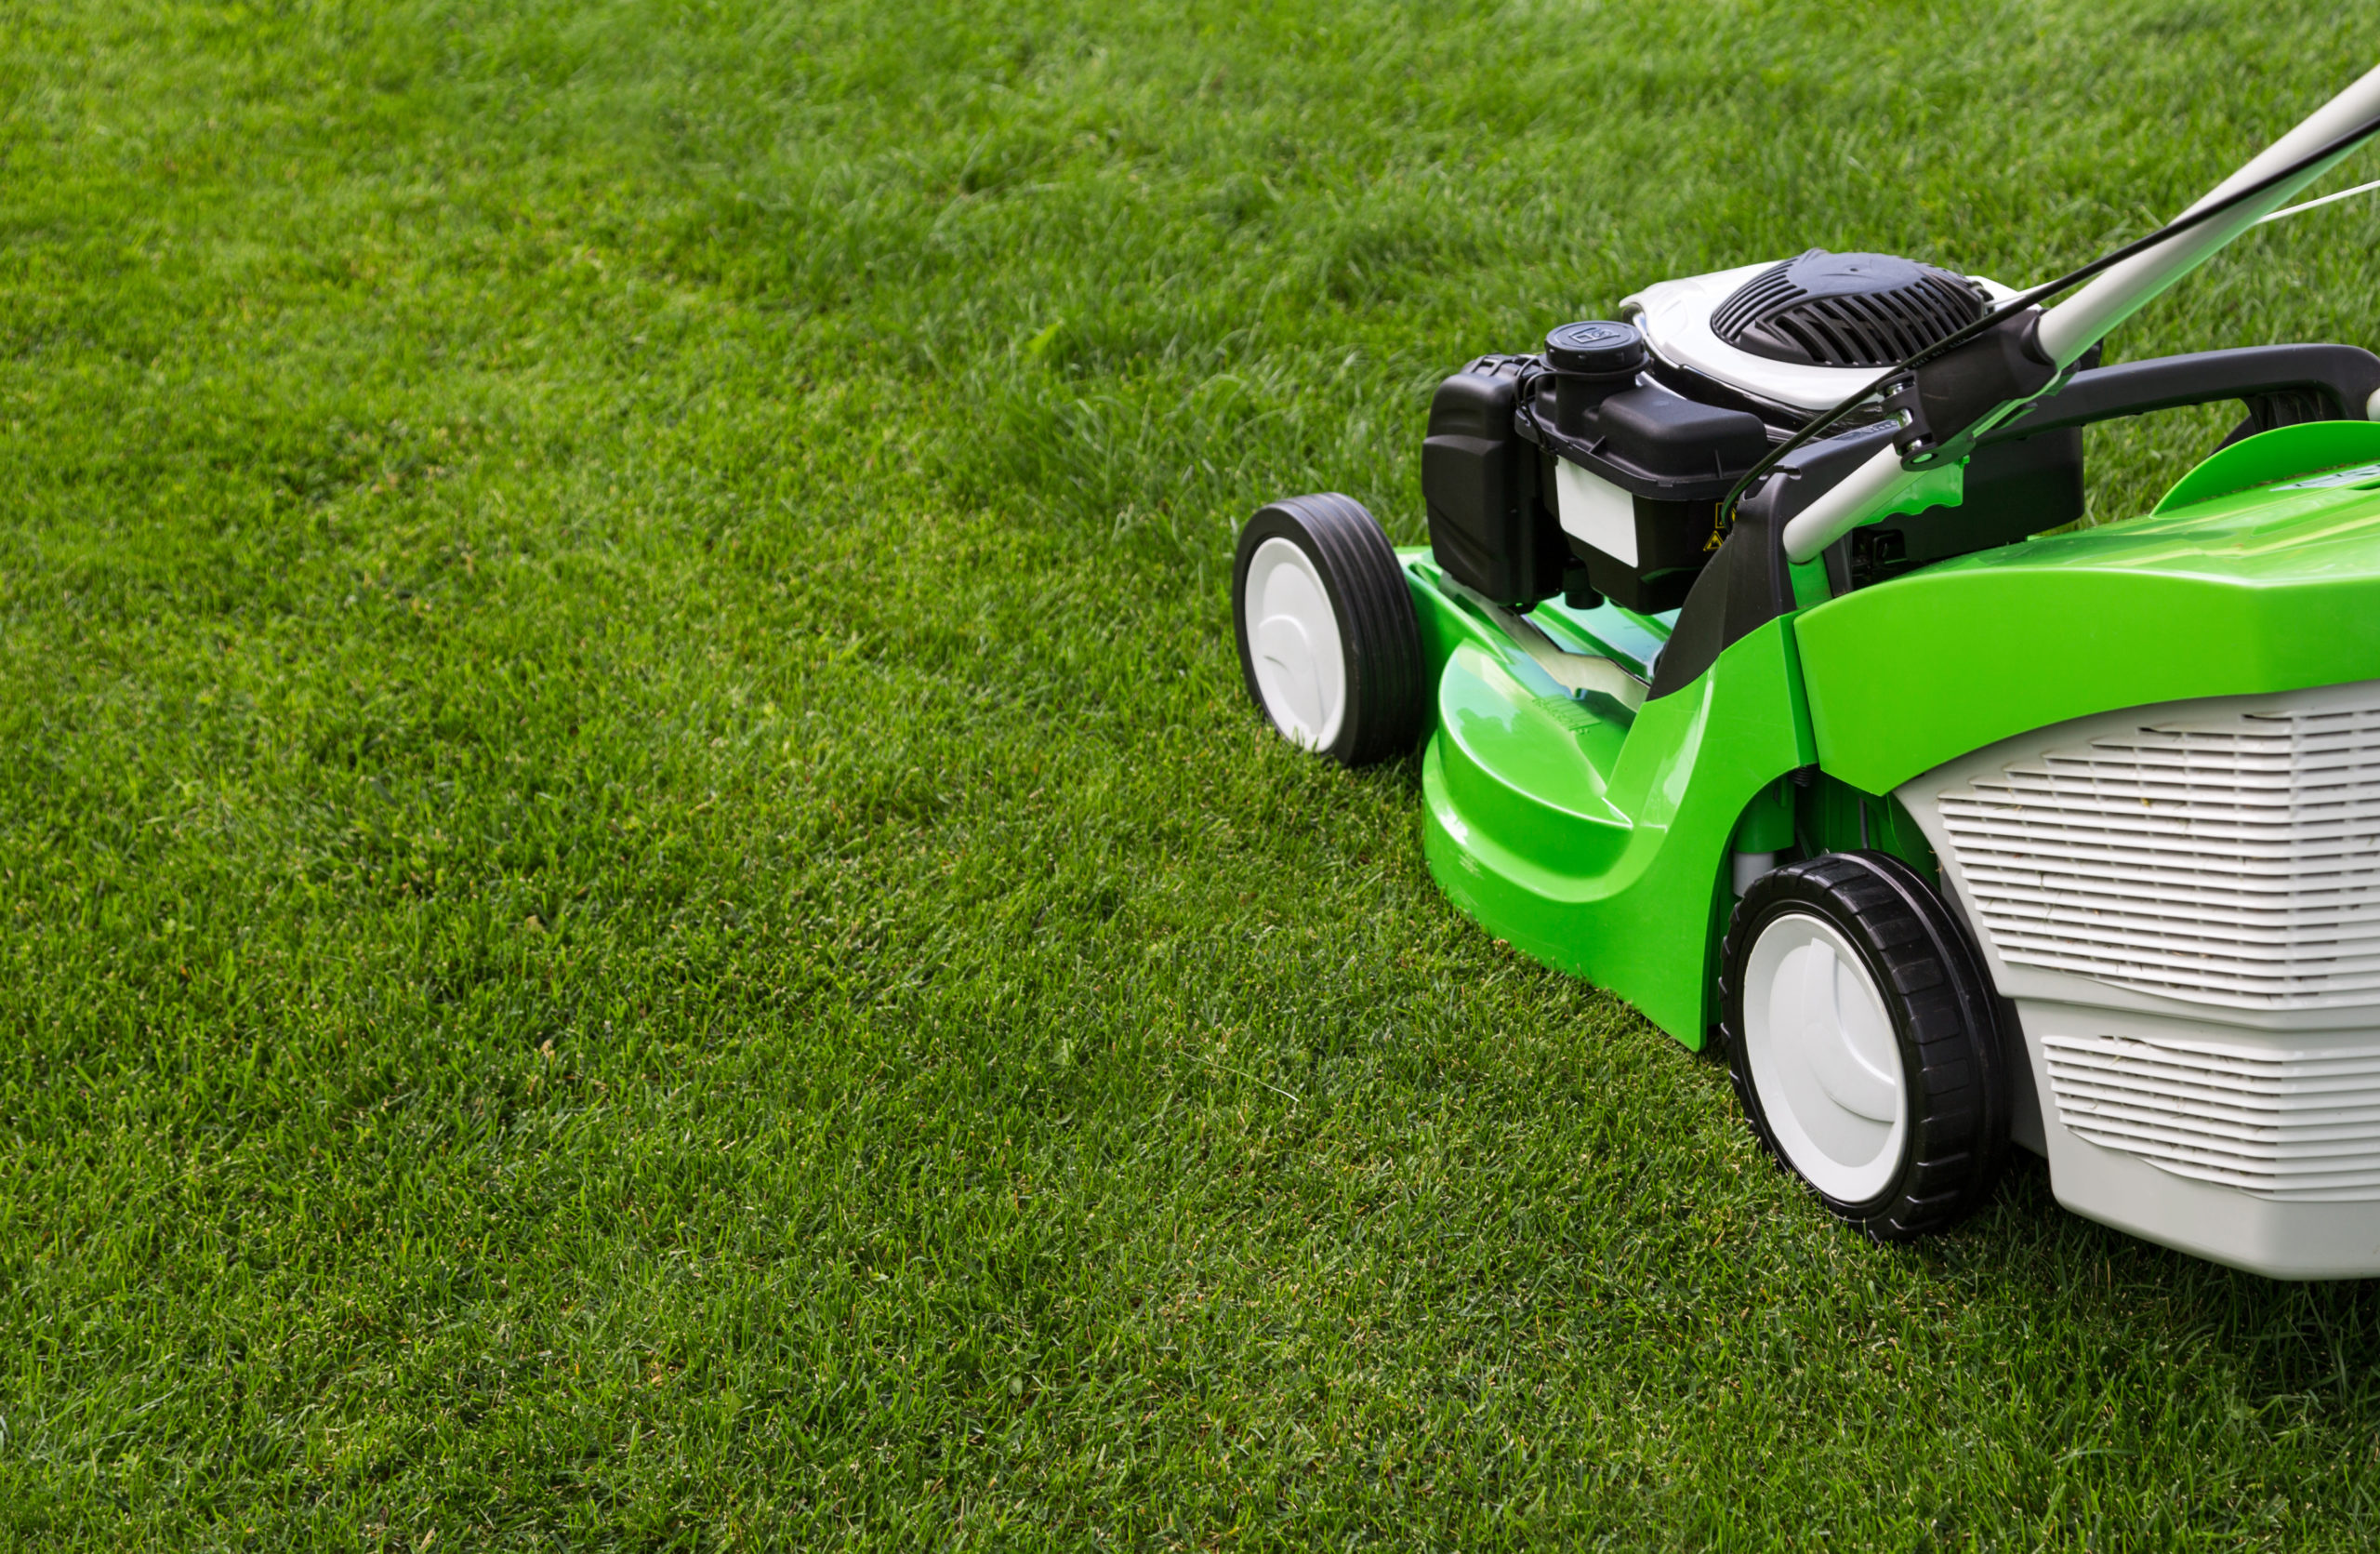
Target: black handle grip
<point>2281,384</point>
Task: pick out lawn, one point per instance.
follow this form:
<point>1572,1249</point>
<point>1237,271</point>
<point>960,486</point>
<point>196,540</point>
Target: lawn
<point>643,909</point>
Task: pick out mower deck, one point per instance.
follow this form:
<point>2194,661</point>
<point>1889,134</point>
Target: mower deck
<point>1593,835</point>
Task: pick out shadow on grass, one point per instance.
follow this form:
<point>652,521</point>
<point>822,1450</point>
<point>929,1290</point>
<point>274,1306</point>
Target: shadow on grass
<point>2308,1341</point>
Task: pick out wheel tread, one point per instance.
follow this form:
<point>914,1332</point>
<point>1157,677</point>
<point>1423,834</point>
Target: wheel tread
<point>1957,1091</point>
<point>1377,628</point>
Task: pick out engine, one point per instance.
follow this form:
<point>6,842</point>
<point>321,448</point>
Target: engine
<point>1595,468</point>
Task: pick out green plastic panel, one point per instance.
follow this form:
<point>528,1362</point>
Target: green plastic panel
<point>2277,454</point>
<point>2265,590</point>
<point>1593,842</point>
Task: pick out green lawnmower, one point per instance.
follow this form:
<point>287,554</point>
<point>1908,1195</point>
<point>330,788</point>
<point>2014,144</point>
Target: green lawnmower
<point>1757,689</point>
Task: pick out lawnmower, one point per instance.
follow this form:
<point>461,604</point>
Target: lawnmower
<point>1764,676</point>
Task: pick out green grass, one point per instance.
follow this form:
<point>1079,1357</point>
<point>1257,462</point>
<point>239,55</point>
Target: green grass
<point>643,907</point>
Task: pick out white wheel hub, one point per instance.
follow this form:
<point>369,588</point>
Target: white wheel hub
<point>1293,637</point>
<point>1823,1058</point>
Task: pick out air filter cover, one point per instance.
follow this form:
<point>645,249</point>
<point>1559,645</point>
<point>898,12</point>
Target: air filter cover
<point>1845,310</point>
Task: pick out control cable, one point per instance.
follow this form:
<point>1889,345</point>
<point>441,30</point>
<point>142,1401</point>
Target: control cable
<point>1811,430</point>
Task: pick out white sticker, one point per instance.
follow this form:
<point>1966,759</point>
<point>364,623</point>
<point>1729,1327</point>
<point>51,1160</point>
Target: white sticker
<point>1596,511</point>
<point>2336,477</point>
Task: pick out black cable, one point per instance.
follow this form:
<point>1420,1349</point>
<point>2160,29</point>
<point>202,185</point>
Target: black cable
<point>1809,432</point>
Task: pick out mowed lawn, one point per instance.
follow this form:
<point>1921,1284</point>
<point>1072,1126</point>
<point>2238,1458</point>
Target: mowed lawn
<point>643,907</point>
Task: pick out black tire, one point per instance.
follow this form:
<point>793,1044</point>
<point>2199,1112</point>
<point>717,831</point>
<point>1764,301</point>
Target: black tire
<point>1380,639</point>
<point>1953,1070</point>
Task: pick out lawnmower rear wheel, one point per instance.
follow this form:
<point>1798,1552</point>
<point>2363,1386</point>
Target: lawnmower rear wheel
<point>1328,638</point>
<point>1863,1043</point>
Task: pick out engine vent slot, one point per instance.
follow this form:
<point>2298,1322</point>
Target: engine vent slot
<point>2298,1124</point>
<point>1845,310</point>
<point>2230,860</point>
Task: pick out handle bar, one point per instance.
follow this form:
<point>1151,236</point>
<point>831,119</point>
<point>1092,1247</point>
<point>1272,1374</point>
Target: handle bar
<point>2072,327</point>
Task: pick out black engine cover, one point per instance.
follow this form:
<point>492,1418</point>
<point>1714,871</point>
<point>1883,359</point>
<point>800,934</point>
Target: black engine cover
<point>1490,525</point>
<point>1846,309</point>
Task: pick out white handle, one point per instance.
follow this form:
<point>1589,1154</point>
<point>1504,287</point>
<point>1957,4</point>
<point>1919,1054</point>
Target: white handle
<point>1869,488</point>
<point>2074,326</point>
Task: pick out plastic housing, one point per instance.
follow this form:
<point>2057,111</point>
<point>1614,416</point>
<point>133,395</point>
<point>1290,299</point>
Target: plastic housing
<point>1638,483</point>
<point>1488,526</point>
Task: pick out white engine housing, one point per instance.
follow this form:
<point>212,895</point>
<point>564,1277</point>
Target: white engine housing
<point>1674,317</point>
<point>2183,902</point>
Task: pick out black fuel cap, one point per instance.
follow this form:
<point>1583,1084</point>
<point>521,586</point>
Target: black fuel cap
<point>1596,347</point>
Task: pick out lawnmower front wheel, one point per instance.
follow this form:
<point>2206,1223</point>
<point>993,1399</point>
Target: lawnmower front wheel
<point>1328,639</point>
<point>1863,1043</point>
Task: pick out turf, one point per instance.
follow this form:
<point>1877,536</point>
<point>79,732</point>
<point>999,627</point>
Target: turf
<point>643,909</point>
